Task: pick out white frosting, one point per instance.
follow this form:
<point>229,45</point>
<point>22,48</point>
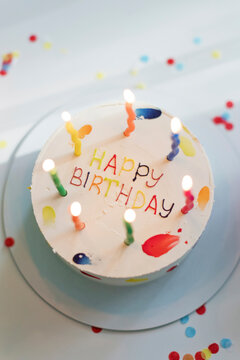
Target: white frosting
<point>102,240</point>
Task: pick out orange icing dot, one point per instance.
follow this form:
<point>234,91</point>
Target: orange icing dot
<point>203,197</point>
<point>187,146</point>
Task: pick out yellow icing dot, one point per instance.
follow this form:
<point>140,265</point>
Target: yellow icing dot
<point>16,54</point>
<point>136,280</point>
<point>133,72</point>
<point>47,45</point>
<point>48,214</point>
<point>3,144</point>
<point>100,75</point>
<point>216,54</point>
<point>187,146</point>
<point>203,197</point>
<point>140,86</point>
<point>206,354</point>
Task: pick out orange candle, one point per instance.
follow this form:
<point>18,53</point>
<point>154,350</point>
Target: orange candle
<point>129,98</point>
<point>75,210</point>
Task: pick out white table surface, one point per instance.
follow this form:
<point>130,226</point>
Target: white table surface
<point>107,36</point>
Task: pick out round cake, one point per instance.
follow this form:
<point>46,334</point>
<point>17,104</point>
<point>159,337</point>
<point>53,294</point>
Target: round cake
<point>113,173</point>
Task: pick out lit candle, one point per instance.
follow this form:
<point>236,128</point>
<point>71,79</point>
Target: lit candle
<point>187,184</point>
<point>75,210</point>
<point>129,217</point>
<point>176,127</point>
<point>49,166</point>
<point>129,98</point>
<point>73,132</point>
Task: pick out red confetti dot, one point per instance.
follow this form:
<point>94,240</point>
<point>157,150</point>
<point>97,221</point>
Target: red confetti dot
<point>96,330</point>
<point>229,104</point>
<point>179,230</point>
<point>172,268</point>
<point>201,310</point>
<point>218,120</point>
<point>3,72</point>
<point>186,242</point>
<point>228,126</point>
<point>198,356</point>
<point>170,61</point>
<point>9,242</point>
<point>214,348</point>
<point>33,38</point>
<point>174,356</point>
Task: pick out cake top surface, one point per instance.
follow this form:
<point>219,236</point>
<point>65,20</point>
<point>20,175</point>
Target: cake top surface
<point>112,174</point>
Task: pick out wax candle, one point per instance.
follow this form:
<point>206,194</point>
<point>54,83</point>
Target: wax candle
<point>66,116</point>
<point>176,127</point>
<point>129,217</point>
<point>187,186</point>
<point>129,98</point>
<point>75,210</point>
<point>49,166</point>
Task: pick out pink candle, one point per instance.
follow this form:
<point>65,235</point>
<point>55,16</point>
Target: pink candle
<point>75,210</point>
<point>187,186</point>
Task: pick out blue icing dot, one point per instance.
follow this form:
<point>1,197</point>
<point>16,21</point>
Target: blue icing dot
<point>148,113</point>
<point>225,343</point>
<point>144,58</point>
<point>179,66</point>
<point>82,259</point>
<point>184,319</point>
<point>197,40</point>
<point>190,332</point>
<point>226,115</point>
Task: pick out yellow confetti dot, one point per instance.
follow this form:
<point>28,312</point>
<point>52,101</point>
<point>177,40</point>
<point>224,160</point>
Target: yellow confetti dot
<point>16,54</point>
<point>140,86</point>
<point>216,54</point>
<point>100,75</point>
<point>206,354</point>
<point>64,51</point>
<point>29,188</point>
<point>133,72</point>
<point>3,144</point>
<point>136,280</point>
<point>47,45</point>
<point>187,146</point>
<point>48,214</point>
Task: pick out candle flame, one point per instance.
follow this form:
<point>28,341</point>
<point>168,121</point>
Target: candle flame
<point>75,208</point>
<point>66,116</point>
<point>187,183</point>
<point>129,215</point>
<point>176,125</point>
<point>129,96</point>
<point>48,165</point>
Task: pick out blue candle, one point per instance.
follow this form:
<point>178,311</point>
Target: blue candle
<point>176,127</point>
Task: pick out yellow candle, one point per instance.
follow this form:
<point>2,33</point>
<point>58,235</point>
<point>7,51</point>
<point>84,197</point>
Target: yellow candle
<point>73,132</point>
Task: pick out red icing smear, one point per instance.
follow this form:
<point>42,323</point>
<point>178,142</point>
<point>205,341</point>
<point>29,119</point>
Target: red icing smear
<point>201,310</point>
<point>172,268</point>
<point>96,330</point>
<point>160,244</point>
<point>95,277</point>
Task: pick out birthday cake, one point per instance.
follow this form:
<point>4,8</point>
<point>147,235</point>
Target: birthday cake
<point>107,173</point>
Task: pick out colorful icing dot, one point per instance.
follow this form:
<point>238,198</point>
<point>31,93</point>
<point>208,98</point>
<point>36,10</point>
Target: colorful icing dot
<point>84,130</point>
<point>160,244</point>
<point>179,66</point>
<point>144,58</point>
<point>218,120</point>
<point>136,280</point>
<point>214,348</point>
<point>172,268</point>
<point>186,146</point>
<point>197,40</point>
<point>226,343</point>
<point>92,276</point>
<point>96,330</point>
<point>170,61</point>
<point>174,355</point>
<point>225,115</point>
<point>3,72</point>
<point>133,72</point>
<point>9,242</point>
<point>216,54</point>
<point>7,58</point>
<point>33,38</point>
<point>148,113</point>
<point>198,356</point>
<point>100,75</point>
<point>228,126</point>
<point>190,332</point>
<point>188,357</point>
<point>203,197</point>
<point>179,230</point>
<point>141,86</point>
<point>206,354</point>
<point>49,215</point>
<point>3,144</point>
<point>47,45</point>
<point>229,104</point>
<point>16,54</point>
<point>184,319</point>
<point>201,310</point>
<point>186,242</point>
<point>82,259</point>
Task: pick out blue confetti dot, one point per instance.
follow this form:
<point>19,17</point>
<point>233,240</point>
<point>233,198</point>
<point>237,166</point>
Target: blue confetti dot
<point>197,40</point>
<point>226,115</point>
<point>225,343</point>
<point>5,67</point>
<point>144,58</point>
<point>82,259</point>
<point>184,319</point>
<point>179,66</point>
<point>190,332</point>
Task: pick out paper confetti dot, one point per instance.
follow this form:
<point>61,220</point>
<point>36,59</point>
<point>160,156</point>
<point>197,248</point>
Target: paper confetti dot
<point>228,126</point>
<point>33,38</point>
<point>100,75</point>
<point>214,348</point>
<point>144,58</point>
<point>9,242</point>
<point>16,54</point>
<point>179,66</point>
<point>47,45</point>
<point>141,86</point>
<point>226,115</point>
<point>3,72</point>
<point>190,332</point>
<point>170,61</point>
<point>218,120</point>
<point>188,357</point>
<point>174,355</point>
<point>96,330</point>
<point>216,54</point>
<point>201,310</point>
<point>184,319</point>
<point>197,40</point>
<point>226,343</point>
<point>63,51</point>
<point>133,72</point>
<point>229,104</point>
<point>3,144</point>
<point>198,356</point>
<point>206,354</point>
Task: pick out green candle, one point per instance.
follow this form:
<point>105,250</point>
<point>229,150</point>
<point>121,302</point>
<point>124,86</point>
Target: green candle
<point>49,166</point>
<point>129,217</point>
